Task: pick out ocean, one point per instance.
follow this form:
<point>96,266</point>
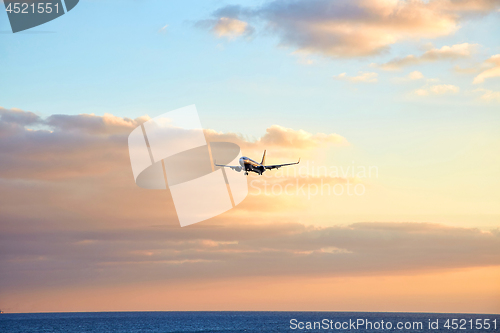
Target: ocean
<point>132,322</point>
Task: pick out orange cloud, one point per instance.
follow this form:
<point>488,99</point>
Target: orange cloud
<point>440,89</point>
<point>489,95</point>
<point>63,231</point>
<point>362,77</point>
<point>228,27</point>
<point>278,136</point>
<point>469,6</point>
<point>83,145</point>
<point>457,51</point>
<point>444,291</point>
<point>493,65</point>
<point>92,124</point>
<point>357,28</point>
<point>415,75</point>
<point>232,251</point>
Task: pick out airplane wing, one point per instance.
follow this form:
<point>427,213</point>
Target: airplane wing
<point>277,166</point>
<point>236,167</point>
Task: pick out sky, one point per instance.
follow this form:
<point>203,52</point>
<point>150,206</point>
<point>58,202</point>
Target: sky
<point>396,103</point>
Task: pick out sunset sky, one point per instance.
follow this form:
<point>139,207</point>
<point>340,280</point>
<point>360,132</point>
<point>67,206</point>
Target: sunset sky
<point>407,89</point>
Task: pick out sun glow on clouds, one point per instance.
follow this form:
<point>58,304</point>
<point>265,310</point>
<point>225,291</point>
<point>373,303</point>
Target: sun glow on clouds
<point>279,136</point>
<point>447,290</point>
<point>453,52</point>
<point>361,27</point>
<point>361,77</point>
<point>493,65</point>
<point>489,95</point>
<point>69,194</point>
<point>228,27</point>
<point>77,234</point>
<point>440,89</point>
<point>415,75</point>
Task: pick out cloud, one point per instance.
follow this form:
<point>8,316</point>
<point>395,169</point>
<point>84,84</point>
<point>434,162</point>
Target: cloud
<point>413,76</point>
<point>71,146</point>
<point>441,89</point>
<point>453,52</point>
<point>71,217</point>
<point>470,6</point>
<point>286,137</point>
<point>493,65</point>
<point>278,136</point>
<point>356,28</point>
<point>86,144</point>
<point>227,27</point>
<point>92,124</point>
<point>369,77</point>
<point>163,29</point>
<point>489,95</point>
<point>467,70</point>
<point>18,117</point>
<point>232,251</point>
<point>14,120</point>
<point>71,170</point>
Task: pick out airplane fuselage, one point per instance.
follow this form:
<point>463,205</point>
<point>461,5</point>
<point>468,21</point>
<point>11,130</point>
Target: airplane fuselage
<point>250,165</point>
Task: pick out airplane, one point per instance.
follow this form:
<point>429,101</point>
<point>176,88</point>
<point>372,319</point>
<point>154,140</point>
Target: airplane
<point>248,164</point>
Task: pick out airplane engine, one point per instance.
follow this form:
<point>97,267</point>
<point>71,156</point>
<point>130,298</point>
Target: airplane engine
<point>238,169</point>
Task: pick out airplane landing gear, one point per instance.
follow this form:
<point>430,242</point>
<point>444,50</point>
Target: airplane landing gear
<point>246,173</point>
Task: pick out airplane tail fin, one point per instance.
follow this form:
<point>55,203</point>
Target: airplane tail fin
<point>263,158</point>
